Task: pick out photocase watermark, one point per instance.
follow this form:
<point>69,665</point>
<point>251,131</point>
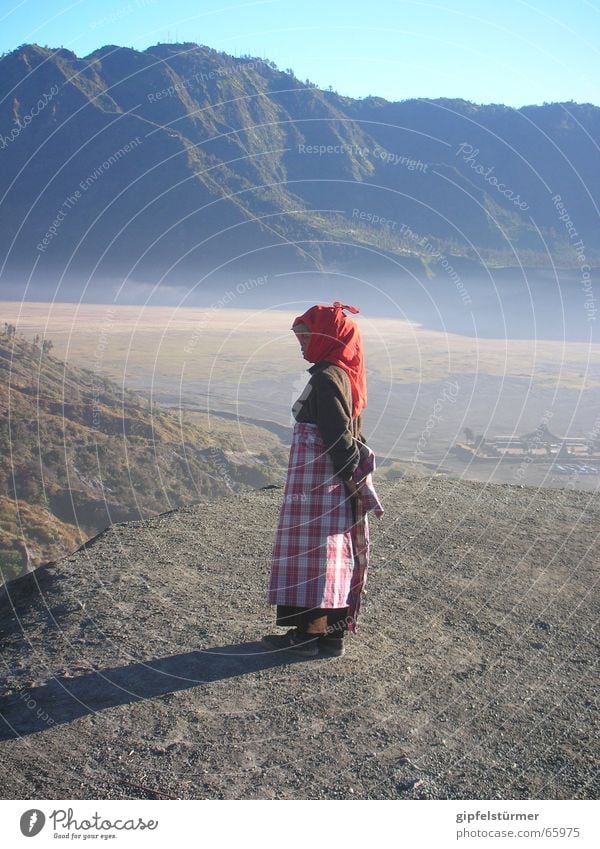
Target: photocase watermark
<point>438,257</point>
<point>28,117</point>
<point>448,395</point>
<point>84,185</point>
<point>66,820</point>
<point>396,159</point>
<point>108,163</point>
<point>32,822</point>
<point>594,433</point>
<point>218,458</point>
<point>295,497</point>
<point>469,155</point>
<point>203,76</point>
<point>31,704</point>
<point>122,12</point>
<point>66,206</point>
<point>96,369</point>
<point>374,219</point>
<point>229,296</point>
<point>488,815</point>
<point>323,149</point>
<point>386,156</point>
<point>340,626</point>
<point>589,303</point>
<point>216,454</point>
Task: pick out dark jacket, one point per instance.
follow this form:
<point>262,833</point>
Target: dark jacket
<point>327,402</point>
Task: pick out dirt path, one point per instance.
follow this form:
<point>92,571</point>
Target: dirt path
<point>132,668</point>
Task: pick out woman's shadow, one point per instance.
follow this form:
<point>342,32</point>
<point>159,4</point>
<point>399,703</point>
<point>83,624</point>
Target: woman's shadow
<point>63,699</point>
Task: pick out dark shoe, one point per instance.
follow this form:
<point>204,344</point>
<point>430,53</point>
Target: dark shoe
<point>332,646</point>
<point>294,642</point>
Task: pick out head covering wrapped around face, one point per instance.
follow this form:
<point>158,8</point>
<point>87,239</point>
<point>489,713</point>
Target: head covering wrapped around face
<point>336,338</point>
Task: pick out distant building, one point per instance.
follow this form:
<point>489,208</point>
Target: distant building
<point>539,445</point>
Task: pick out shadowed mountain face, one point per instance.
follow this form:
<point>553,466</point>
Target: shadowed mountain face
<point>182,166</point>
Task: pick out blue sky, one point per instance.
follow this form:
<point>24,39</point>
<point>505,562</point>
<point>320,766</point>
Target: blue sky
<point>492,51</point>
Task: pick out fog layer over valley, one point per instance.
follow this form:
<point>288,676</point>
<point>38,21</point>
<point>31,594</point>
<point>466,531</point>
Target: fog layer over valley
<point>426,383</point>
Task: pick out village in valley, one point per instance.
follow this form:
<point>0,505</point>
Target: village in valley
<point>567,454</point>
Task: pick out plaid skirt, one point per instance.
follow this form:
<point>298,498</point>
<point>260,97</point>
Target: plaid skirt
<point>321,550</point>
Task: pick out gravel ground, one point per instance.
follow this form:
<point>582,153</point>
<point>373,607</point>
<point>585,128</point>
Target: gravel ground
<point>132,668</point>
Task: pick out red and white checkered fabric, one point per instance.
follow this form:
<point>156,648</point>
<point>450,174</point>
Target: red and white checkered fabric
<point>315,560</point>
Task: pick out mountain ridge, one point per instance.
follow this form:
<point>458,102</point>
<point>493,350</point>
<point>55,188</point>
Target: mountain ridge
<point>221,184</point>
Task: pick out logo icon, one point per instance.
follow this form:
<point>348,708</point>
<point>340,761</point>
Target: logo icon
<point>32,822</point>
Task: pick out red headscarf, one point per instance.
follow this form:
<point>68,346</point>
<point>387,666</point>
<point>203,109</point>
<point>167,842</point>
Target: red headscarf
<point>336,337</point>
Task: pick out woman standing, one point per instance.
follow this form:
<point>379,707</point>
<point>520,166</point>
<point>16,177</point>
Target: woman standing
<point>321,548</point>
